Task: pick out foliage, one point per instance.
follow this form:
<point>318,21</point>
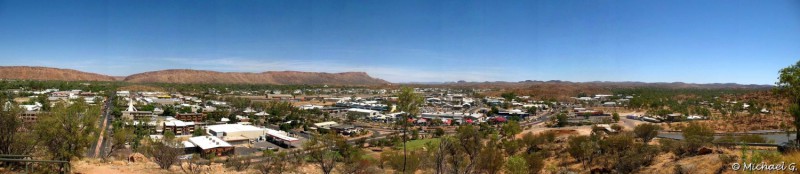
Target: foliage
<point>120,135</point>
<point>68,129</point>
<point>491,157</point>
<point>535,162</point>
<point>697,135</point>
<point>13,141</point>
<point>438,132</point>
<point>163,153</point>
<point>399,162</point>
<point>238,163</point>
<point>320,151</point>
<point>516,165</point>
<point>634,158</point>
<point>561,119</point>
<point>277,163</point>
<point>582,148</point>
<point>192,165</point>
<point>510,129</point>
<point>408,102</point>
<point>418,144</point>
<point>646,132</point>
<point>199,132</point>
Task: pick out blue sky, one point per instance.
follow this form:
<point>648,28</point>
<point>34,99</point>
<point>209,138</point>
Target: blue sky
<point>421,41</point>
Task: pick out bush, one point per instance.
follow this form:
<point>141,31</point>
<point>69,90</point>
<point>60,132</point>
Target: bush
<point>535,162</point>
<point>238,163</point>
<point>635,158</point>
<point>516,165</point>
<point>678,148</point>
<point>646,132</point>
<point>697,135</point>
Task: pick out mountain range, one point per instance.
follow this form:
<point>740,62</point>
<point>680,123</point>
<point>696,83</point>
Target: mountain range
<point>187,76</point>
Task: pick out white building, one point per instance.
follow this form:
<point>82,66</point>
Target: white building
<point>236,133</point>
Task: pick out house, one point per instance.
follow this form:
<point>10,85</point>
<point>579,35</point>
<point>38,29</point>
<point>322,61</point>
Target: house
<point>123,93</point>
<point>210,145</point>
<point>281,137</point>
<point>363,112</point>
<point>243,118</point>
<point>345,129</point>
<point>279,96</point>
<point>261,114</point>
<point>307,107</point>
<point>34,107</point>
<point>325,125</point>
<point>456,117</point>
<point>609,104</point>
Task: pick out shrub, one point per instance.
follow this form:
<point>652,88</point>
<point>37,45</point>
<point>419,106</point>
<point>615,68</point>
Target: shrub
<point>697,135</point>
<point>646,132</point>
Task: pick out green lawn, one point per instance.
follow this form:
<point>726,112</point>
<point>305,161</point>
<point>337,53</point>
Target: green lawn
<point>418,144</point>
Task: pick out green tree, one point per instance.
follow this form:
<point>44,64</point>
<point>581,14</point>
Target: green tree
<point>491,153</point>
<point>532,110</point>
<point>789,85</point>
<point>583,149</point>
<point>469,144</point>
<point>615,116</point>
<point>120,134</point>
<point>68,129</point>
<point>516,165</point>
<point>535,162</point>
<point>320,151</point>
<point>199,132</point>
<point>697,135</point>
<point>399,162</point>
<point>274,163</point>
<point>438,132</point>
<point>646,132</point>
<point>163,152</point>
<point>509,96</point>
<point>561,119</point>
<point>13,141</point>
<point>510,129</point>
<point>407,102</point>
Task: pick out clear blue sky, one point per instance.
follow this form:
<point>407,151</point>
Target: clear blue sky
<point>422,41</point>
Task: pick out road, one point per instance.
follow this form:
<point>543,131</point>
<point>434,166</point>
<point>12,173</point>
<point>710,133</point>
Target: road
<point>776,138</point>
<point>102,146</point>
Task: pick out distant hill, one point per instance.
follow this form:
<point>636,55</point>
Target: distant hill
<point>45,73</point>
<point>186,76</point>
<point>270,77</point>
<point>564,89</point>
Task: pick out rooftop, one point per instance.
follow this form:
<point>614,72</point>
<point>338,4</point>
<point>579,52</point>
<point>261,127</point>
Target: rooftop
<point>232,128</point>
<point>208,142</point>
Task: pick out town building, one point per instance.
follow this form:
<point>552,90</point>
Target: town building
<point>178,127</point>
<point>236,133</point>
<point>212,145</point>
<point>191,117</point>
<point>133,114</point>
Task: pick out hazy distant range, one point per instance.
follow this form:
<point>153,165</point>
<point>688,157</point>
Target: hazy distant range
<point>188,76</point>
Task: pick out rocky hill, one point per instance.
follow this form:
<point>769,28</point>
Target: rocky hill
<point>270,77</point>
<point>45,73</point>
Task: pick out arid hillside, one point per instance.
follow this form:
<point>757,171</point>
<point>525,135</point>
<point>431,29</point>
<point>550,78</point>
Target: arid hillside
<point>45,73</point>
<point>270,77</point>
